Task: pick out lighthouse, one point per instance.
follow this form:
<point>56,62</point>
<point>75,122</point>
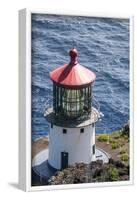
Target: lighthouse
<point>71,116</point>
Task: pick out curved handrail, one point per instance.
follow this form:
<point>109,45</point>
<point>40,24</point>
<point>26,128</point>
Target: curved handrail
<point>48,104</point>
<point>95,104</point>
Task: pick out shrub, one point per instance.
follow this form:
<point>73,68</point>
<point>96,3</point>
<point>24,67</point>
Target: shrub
<point>115,145</point>
<point>123,171</point>
<point>116,134</point>
<point>113,174</point>
<point>102,138</point>
<point>99,179</point>
<point>126,129</point>
<point>123,151</point>
<point>126,137</point>
<point>124,157</point>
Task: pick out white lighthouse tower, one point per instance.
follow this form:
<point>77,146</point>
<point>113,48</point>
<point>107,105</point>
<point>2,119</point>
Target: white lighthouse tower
<point>72,117</point>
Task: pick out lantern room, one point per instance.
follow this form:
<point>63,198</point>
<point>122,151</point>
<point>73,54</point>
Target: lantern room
<point>72,89</point>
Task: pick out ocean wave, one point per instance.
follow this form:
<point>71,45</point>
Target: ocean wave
<point>118,37</point>
<point>115,80</point>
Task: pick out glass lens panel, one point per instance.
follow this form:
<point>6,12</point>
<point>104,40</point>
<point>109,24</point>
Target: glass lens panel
<point>72,102</point>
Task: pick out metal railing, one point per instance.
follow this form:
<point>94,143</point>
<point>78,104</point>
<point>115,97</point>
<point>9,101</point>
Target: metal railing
<point>95,104</point>
<point>48,109</point>
<point>49,103</point>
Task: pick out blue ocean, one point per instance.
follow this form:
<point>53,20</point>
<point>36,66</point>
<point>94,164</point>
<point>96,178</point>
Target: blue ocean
<point>103,47</point>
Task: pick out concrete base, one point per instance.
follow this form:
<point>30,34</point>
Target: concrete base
<point>41,167</point>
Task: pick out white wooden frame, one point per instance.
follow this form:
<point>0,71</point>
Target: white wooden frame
<point>25,101</point>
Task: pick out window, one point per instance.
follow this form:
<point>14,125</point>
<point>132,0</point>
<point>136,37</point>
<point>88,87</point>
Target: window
<point>93,149</point>
<point>82,130</point>
<point>51,125</point>
<point>72,103</point>
<point>64,130</point>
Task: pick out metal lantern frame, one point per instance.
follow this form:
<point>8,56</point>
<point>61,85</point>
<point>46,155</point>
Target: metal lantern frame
<point>72,103</point>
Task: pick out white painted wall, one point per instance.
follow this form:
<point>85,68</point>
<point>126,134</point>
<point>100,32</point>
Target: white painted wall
<point>78,145</point>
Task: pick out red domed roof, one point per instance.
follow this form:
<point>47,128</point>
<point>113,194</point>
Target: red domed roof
<point>72,75</point>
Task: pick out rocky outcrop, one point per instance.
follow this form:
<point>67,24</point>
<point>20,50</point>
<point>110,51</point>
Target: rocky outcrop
<point>93,172</point>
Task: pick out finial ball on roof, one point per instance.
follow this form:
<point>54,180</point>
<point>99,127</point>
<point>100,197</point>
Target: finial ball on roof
<point>73,54</point>
<point>72,75</point>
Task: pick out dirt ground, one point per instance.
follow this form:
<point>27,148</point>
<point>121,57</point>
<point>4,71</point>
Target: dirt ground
<point>39,145</point>
<point>114,153</point>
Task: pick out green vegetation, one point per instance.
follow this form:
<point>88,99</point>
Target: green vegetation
<point>114,145</point>
<point>102,138</point>
<point>124,157</point>
<point>117,138</point>
<point>116,134</point>
<point>113,174</point>
<point>123,151</point>
<point>109,173</point>
<point>126,130</point>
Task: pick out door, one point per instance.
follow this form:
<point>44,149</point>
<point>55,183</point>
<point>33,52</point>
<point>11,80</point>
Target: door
<point>64,160</point>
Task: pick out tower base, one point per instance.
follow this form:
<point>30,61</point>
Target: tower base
<point>43,171</point>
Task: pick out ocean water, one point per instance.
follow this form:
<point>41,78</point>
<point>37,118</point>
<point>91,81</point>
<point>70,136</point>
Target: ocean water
<point>103,47</point>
